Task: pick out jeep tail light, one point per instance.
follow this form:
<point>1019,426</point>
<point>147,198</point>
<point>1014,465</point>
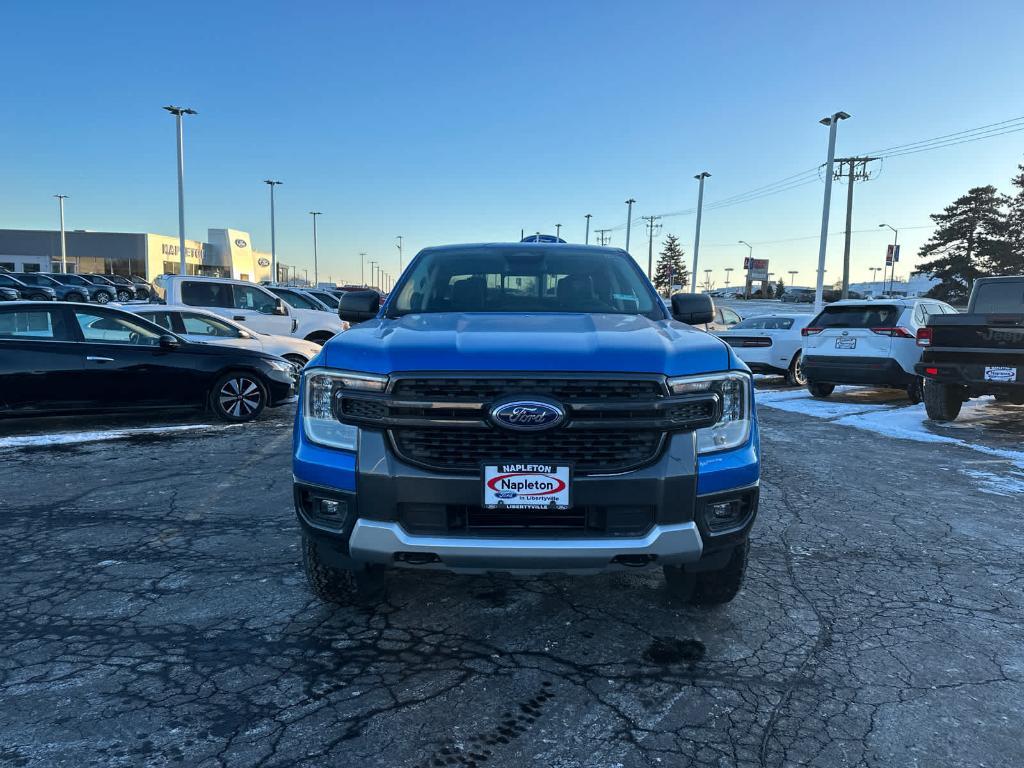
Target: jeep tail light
<point>924,337</point>
<point>898,333</point>
<point>932,371</point>
<point>810,331</point>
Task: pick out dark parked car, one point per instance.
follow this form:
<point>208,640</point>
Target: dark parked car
<point>63,292</point>
<point>124,287</point>
<point>75,358</point>
<point>8,294</point>
<point>29,292</point>
<point>101,294</point>
<point>143,285</point>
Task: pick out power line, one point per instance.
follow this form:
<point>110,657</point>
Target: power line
<point>999,126</point>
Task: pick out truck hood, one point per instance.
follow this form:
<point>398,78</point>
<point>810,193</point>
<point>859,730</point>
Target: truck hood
<point>535,342</point>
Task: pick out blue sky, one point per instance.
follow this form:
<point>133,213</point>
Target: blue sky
<point>467,121</point>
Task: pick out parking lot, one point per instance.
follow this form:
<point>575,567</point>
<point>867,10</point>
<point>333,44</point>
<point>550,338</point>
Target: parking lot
<point>154,613</point>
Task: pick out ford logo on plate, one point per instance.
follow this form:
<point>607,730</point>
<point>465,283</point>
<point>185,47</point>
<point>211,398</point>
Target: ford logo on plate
<point>527,415</point>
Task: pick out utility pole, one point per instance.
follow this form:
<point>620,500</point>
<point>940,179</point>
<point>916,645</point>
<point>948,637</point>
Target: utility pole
<point>316,273</point>
<point>373,273</point>
<point>178,113</point>
<point>63,247</point>
<point>696,237</point>
<point>586,238</point>
<point>399,239</point>
<point>832,122</point>
<point>558,231</point>
<point>855,170</point>
<point>629,220</point>
<point>362,268</point>
<point>603,236</point>
<point>273,233</point>
<point>651,226</point>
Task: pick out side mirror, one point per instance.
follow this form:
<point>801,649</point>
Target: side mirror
<point>693,308</point>
<point>168,341</point>
<point>279,308</point>
<point>359,306</point>
<point>244,335</point>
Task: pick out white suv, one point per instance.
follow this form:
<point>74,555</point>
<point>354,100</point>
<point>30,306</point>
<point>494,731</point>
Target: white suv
<point>871,343</point>
<point>249,304</point>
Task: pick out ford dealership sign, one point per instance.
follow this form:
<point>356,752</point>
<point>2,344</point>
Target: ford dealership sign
<point>527,415</point>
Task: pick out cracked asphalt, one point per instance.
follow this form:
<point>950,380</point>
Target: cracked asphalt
<point>153,613</point>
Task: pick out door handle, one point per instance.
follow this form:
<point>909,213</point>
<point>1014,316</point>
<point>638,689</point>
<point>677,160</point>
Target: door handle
<point>93,359</point>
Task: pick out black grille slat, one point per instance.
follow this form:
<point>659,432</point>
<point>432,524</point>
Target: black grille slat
<point>566,389</point>
<point>469,519</point>
<point>588,450</point>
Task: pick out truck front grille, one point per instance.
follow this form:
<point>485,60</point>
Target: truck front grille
<point>589,450</point>
<point>585,520</point>
<point>488,388</point>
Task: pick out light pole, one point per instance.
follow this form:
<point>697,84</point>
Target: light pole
<point>629,220</point>
<point>316,274</point>
<point>178,113</point>
<point>399,246</point>
<point>696,237</point>
<point>586,237</point>
<point>874,273</point>
<point>63,247</point>
<point>750,259</point>
<point>707,279</point>
<point>273,233</point>
<point>728,275</point>
<point>362,268</point>
<point>373,272</point>
<point>558,231</point>
<point>895,239</point>
<point>792,276</point>
<point>832,123</point>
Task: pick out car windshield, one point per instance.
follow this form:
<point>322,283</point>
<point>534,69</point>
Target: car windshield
<point>328,299</point>
<point>531,279</point>
<point>858,316</point>
<point>766,323</point>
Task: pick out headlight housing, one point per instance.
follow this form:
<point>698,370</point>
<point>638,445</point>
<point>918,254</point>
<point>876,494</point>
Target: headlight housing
<point>281,365</point>
<point>733,428</point>
<point>321,389</point>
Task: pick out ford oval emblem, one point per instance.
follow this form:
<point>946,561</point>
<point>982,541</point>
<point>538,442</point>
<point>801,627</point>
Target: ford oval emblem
<point>241,243</point>
<point>263,261</point>
<point>527,415</point>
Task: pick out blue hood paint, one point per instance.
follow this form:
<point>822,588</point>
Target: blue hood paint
<point>531,342</point>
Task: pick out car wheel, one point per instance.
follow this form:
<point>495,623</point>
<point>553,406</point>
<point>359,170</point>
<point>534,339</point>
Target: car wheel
<point>341,586</point>
<point>102,297</point>
<point>709,588</point>
<point>942,401</point>
<point>820,390</point>
<point>238,397</point>
<point>795,376</point>
<point>39,297</point>
<point>915,390</point>
<point>76,297</point>
<point>124,296</point>
<point>298,360</point>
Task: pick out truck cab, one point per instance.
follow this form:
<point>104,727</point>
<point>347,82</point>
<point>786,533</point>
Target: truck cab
<point>525,408</point>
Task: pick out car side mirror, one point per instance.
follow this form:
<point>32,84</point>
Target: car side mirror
<point>244,335</point>
<point>693,308</point>
<point>169,341</point>
<point>359,306</point>
<point>279,308</point>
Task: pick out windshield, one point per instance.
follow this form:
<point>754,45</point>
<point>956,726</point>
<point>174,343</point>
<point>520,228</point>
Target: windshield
<point>999,296</point>
<point>528,280</point>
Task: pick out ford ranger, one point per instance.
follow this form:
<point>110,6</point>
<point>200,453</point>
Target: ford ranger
<point>979,352</point>
<point>525,408</point>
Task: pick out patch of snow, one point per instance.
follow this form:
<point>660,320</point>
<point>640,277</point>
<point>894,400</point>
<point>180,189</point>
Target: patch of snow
<point>70,438</point>
<point>998,485</point>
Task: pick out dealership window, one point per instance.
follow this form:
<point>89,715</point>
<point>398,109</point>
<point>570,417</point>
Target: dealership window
<point>198,293</point>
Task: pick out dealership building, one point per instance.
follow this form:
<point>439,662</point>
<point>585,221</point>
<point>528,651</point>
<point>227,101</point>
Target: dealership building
<point>226,253</point>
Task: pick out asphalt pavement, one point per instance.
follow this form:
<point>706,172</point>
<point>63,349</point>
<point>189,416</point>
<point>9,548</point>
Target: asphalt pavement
<point>153,613</point>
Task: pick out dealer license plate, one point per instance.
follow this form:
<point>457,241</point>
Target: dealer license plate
<point>526,486</point>
<point>1000,373</point>
<point>845,342</point>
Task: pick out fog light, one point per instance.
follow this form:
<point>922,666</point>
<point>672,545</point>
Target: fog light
<point>725,510</point>
<point>725,514</point>
<point>328,512</point>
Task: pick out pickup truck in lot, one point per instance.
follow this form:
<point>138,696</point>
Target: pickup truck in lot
<point>526,408</point>
<point>978,352</point>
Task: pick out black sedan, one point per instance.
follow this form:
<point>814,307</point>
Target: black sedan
<point>101,294</point>
<point>8,294</point>
<point>124,291</point>
<point>58,357</point>
<point>64,292</point>
<point>25,291</point>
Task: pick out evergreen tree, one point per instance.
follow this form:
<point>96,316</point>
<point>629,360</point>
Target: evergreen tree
<point>670,269</point>
<point>1014,263</point>
<point>968,240</point>
<point>780,288</point>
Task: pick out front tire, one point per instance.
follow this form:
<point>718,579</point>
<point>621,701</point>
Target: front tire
<point>340,586</point>
<point>795,375</point>
<point>102,297</point>
<point>124,296</point>
<point>942,401</point>
<point>76,297</point>
<point>709,588</point>
<point>820,390</point>
<point>238,397</point>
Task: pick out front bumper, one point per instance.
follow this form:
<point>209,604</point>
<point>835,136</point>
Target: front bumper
<point>866,371</point>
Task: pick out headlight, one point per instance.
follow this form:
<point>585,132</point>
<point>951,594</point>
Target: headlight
<point>321,388</point>
<point>733,428</point>
<point>281,365</point>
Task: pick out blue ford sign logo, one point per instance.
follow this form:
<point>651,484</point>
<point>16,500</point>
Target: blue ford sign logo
<point>527,415</point>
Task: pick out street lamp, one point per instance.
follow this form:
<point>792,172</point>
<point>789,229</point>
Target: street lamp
<point>728,275</point>
<point>373,271</point>
<point>792,275</point>
<point>558,231</point>
<point>832,122</point>
<point>362,268</point>
<point>707,279</point>
<point>63,247</point>
<point>273,233</point>
<point>700,210</point>
<point>399,246</point>
<point>586,237</point>
<point>178,113</point>
<point>895,239</point>
<point>316,274</point>
<point>750,258</point>
<point>629,220</point>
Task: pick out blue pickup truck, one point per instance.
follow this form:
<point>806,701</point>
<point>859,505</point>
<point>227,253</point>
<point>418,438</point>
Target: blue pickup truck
<point>525,408</point>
